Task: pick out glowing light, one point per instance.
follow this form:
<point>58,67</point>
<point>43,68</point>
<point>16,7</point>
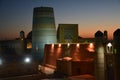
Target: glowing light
<point>27,60</point>
<point>67,58</point>
<point>109,45</point>
<point>68,44</point>
<point>109,48</point>
<point>29,45</point>
<point>59,45</point>
<point>52,45</point>
<point>77,44</point>
<point>91,47</point>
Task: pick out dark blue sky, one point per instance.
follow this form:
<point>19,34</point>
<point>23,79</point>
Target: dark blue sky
<point>91,15</point>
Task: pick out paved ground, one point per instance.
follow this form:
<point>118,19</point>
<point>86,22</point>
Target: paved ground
<point>50,77</point>
<point>82,77</point>
<point>49,74</point>
<point>26,77</point>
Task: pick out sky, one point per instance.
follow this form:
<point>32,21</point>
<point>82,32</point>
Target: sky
<point>90,15</point>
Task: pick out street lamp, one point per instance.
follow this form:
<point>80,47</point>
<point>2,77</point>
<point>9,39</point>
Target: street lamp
<point>109,48</point>
<point>109,45</point>
<point>27,60</point>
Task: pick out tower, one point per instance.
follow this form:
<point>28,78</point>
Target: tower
<point>43,30</point>
<point>99,56</point>
<point>109,61</point>
<point>116,53</point>
<point>22,35</point>
<point>105,36</point>
<point>22,42</point>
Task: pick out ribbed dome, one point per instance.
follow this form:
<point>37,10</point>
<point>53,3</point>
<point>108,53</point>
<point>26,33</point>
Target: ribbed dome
<point>98,34</point>
<point>117,32</point>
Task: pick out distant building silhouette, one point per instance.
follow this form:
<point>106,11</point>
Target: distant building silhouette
<point>22,35</point>
<point>116,43</point>
<point>29,42</point>
<point>105,36</point>
<point>13,55</point>
<point>67,33</point>
<point>22,41</point>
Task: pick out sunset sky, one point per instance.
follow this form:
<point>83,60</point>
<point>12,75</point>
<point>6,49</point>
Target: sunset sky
<point>91,15</point>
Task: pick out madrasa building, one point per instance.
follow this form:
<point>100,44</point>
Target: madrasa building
<point>64,51</point>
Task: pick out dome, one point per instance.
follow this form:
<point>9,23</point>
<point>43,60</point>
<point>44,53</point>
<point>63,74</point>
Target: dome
<point>29,36</point>
<point>98,34</point>
<point>22,34</point>
<point>21,31</point>
<point>117,32</point>
<point>105,32</point>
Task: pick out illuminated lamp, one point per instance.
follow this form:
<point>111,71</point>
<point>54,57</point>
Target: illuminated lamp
<point>109,48</point>
<point>67,58</point>
<point>29,45</point>
<point>77,44</point>
<point>109,45</point>
<point>68,44</point>
<point>59,45</point>
<point>27,60</point>
<point>91,47</point>
<point>52,45</point>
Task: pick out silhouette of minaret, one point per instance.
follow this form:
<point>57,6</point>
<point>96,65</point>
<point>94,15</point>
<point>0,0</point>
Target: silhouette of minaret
<point>105,36</point>
<point>116,52</point>
<point>99,56</point>
<point>22,41</point>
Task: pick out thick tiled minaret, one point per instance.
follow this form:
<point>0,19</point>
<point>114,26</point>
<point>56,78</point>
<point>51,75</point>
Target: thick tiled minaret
<point>43,30</point>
